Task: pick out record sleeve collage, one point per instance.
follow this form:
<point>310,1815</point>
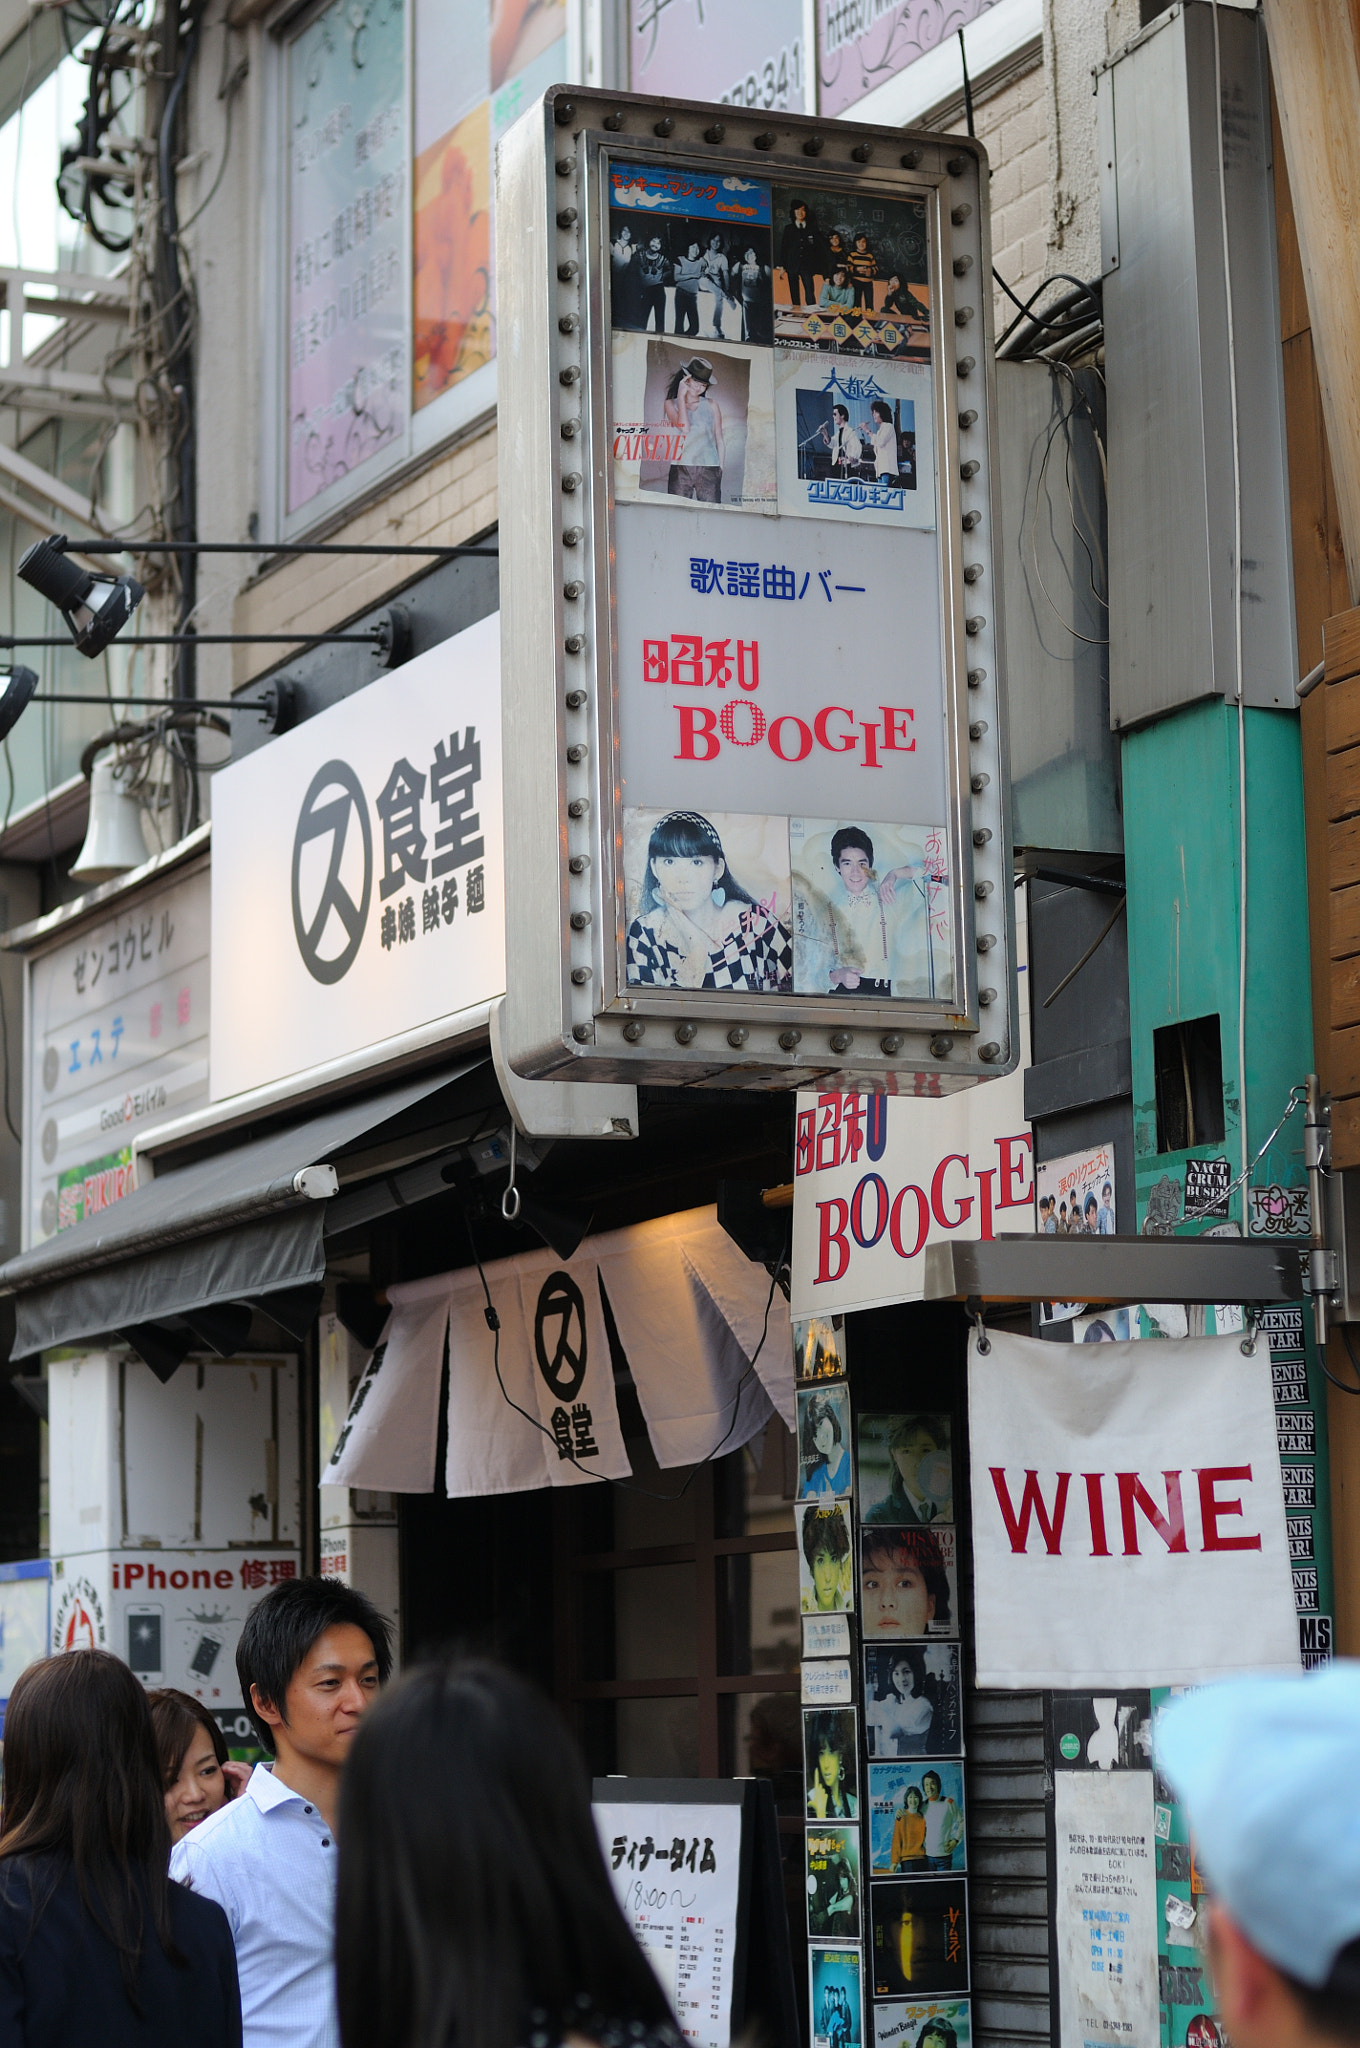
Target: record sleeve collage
<point>886,1842</point>
<point>771,376</point>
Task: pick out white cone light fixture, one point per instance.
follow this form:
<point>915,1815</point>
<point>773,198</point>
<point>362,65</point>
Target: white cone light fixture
<point>113,838</point>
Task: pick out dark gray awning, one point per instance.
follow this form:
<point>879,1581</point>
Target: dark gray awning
<point>179,1264</point>
<point>1116,1269</point>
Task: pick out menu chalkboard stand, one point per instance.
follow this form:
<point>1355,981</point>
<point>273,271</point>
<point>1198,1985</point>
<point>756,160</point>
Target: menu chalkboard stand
<point>764,1998</point>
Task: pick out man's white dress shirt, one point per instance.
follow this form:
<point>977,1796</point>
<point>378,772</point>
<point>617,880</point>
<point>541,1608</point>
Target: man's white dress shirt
<point>268,1858</point>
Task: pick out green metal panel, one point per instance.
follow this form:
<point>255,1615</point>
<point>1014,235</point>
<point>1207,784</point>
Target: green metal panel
<point>1181,829</point>
<point>1182,821</point>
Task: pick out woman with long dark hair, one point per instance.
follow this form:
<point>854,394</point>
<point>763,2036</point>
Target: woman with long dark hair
<point>197,1774</point>
<point>696,927</point>
<point>474,1909</point>
<point>98,1949</point>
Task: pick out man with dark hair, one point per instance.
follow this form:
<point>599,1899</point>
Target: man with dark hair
<point>311,1658</point>
<point>799,248</point>
<point>1282,1869</point>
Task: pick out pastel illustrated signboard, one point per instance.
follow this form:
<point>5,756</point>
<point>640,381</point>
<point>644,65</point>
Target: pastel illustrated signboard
<point>781,754</point>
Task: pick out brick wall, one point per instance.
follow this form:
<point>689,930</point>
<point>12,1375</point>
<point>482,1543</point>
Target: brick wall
<point>452,500</point>
<point>1011,124</point>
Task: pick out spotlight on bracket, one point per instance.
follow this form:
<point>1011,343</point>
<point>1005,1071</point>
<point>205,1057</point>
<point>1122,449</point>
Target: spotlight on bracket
<point>19,686</point>
<point>95,608</point>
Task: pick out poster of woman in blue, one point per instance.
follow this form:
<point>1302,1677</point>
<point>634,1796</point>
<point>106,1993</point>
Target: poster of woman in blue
<point>836,1998</point>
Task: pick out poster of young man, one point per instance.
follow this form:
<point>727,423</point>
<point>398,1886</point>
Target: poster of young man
<point>824,1464</point>
<point>916,1819</point>
<point>908,1582</point>
<point>707,899</point>
<point>831,1768</point>
<point>912,1702</point>
<point>906,1469</point>
<point>920,1937</point>
<point>835,1997</point>
<point>932,2023</point>
<point>871,914</point>
<point>855,439</point>
<point>693,424</point>
<point>825,1560</point>
<point>833,1887</point>
<point>850,272</point>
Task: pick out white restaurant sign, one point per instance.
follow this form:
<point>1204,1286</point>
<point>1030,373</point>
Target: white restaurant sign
<point>358,870</point>
<point>1128,1514</point>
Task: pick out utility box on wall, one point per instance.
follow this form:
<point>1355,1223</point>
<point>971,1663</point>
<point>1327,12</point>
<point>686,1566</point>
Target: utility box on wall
<point>1175,159</point>
<point>174,1509</point>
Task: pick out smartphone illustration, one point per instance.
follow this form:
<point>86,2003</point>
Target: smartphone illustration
<point>205,1656</point>
<point>145,1634</point>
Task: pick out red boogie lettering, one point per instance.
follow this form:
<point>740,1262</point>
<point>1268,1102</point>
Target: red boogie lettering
<point>1134,1498</point>
<point>789,738</point>
<point>905,1217</point>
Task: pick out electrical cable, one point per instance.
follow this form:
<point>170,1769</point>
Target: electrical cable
<point>1237,627</point>
<point>1080,290</point>
<point>1059,425</point>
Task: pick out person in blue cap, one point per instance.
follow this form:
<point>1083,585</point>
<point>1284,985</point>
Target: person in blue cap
<point>1269,1772</point>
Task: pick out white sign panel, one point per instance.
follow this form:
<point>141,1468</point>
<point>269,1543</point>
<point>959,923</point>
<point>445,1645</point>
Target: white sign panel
<point>1128,1514</point>
<point>175,1616</point>
<point>1105,1910</point>
<point>877,1178</point>
<point>746,53</point>
<point>676,1872</point>
<point>117,1043</point>
<point>360,856</point>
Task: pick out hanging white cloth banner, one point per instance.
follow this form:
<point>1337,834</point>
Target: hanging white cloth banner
<point>690,1309</point>
<point>1128,1514</point>
<point>556,1423</point>
<point>707,1340</point>
<point>388,1437</point>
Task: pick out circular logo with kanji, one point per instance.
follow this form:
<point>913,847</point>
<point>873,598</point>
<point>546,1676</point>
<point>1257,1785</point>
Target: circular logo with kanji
<point>332,872</point>
<point>78,1620</point>
<point>560,1335</point>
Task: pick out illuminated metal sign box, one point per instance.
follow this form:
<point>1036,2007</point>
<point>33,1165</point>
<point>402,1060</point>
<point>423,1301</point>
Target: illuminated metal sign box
<point>755,755</point>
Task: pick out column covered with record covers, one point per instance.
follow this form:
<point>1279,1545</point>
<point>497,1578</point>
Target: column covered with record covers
<point>879,1420</point>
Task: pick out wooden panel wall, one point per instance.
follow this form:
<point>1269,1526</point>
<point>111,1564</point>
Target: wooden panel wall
<point>1331,774</point>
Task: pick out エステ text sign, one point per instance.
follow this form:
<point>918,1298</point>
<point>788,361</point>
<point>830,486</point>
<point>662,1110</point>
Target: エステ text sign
<point>358,870</point>
<point>1128,1515</point>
